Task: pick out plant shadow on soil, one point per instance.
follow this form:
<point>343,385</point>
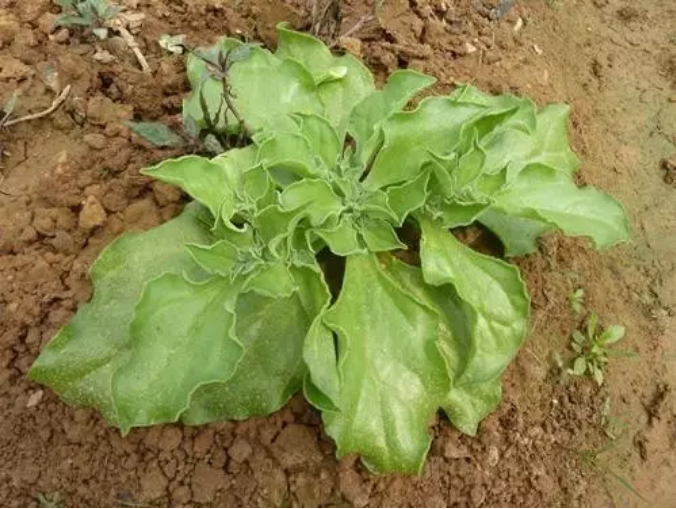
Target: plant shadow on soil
<point>71,185</point>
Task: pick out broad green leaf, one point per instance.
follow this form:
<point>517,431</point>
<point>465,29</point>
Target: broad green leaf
<point>580,366</point>
<point>322,139</point>
<point>304,48</point>
<point>342,82</point>
<point>578,337</point>
<point>313,199</point>
<point>519,235</point>
<point>372,204</point>
<point>266,93</point>
<point>207,89</point>
<point>542,194</point>
<point>552,146</point>
<point>612,334</point>
<point>322,383</point>
<point>456,176</point>
<point>272,280</point>
<point>272,224</point>
<point>409,197</point>
<point>235,162</point>
<point>434,126</point>
<point>496,296</point>
<point>546,145</point>
<point>202,179</point>
<point>400,88</point>
<point>467,405</point>
<point>453,214</point>
<point>272,332</point>
<point>219,258</point>
<point>341,96</point>
<point>181,339</point>
<point>379,236</point>
<point>454,328</point>
<point>79,362</point>
<point>264,89</point>
<point>156,133</point>
<point>342,239</point>
<point>392,375</point>
<point>289,157</point>
<point>597,373</point>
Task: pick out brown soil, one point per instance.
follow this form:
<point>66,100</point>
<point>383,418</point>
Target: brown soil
<point>71,184</point>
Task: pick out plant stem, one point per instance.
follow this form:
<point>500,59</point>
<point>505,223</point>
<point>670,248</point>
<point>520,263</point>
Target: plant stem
<point>227,97</point>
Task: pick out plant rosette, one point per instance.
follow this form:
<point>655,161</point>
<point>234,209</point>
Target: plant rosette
<point>225,311</point>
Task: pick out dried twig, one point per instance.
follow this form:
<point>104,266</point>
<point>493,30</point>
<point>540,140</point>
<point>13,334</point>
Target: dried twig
<point>133,45</point>
<point>34,116</point>
<point>356,28</point>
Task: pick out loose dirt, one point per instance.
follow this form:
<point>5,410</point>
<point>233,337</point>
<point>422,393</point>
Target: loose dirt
<point>70,184</point>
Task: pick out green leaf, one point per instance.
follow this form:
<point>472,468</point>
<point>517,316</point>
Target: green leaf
<point>466,406</point>
<point>549,196</point>
<point>409,197</point>
<point>366,117</point>
<point>519,235</point>
<point>597,373</point>
<point>181,339</point>
<point>380,236</point>
<point>202,179</point>
<point>289,157</point>
<point>219,258</point>
<point>156,133</point>
<point>454,214</point>
<point>341,96</point>
<point>65,20</point>
<point>591,326</point>
<point>304,48</point>
<point>79,362</point>
<point>272,280</point>
<point>313,198</point>
<point>498,305</point>
<point>578,337</point>
<point>392,377</point>
<point>264,89</point>
<point>9,105</point>
<point>341,239</point>
<point>322,384</point>
<point>322,139</point>
<point>612,334</point>
<point>435,126</point>
<point>579,366</point>
<point>272,332</point>
<point>551,140</point>
<point>342,82</point>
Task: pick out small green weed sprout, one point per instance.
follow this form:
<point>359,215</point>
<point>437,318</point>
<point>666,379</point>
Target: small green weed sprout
<point>592,350</point>
<point>576,300</point>
<point>93,14</point>
<point>103,20</point>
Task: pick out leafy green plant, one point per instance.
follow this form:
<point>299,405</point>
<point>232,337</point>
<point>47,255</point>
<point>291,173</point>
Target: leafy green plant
<point>225,312</point>
<point>86,13</point>
<point>103,20</point>
<point>592,349</point>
